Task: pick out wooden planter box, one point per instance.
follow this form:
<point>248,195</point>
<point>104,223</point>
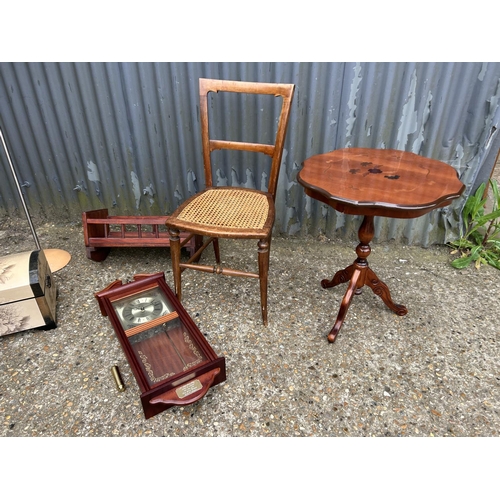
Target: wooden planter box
<point>103,232</point>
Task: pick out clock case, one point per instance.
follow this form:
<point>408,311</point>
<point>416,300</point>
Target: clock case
<point>180,366</point>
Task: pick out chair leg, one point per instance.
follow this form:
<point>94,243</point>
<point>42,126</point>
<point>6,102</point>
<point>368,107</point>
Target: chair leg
<point>264,247</point>
<point>175,254</point>
<point>216,250</point>
<point>198,243</point>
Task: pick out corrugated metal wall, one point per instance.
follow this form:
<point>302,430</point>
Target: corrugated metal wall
<point>126,135</point>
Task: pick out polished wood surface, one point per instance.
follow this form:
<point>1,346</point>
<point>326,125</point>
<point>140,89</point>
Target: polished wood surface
<point>208,223</point>
<point>386,182</point>
<point>57,258</point>
<point>165,354</point>
<point>372,182</point>
<point>358,275</point>
<point>166,358</point>
<point>101,232</point>
<point>171,397</point>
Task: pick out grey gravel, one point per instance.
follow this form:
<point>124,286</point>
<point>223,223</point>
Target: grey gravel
<point>434,372</point>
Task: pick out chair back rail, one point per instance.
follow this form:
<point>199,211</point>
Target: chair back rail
<point>275,151</point>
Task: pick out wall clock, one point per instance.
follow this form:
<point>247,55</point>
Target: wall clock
<point>171,360</point>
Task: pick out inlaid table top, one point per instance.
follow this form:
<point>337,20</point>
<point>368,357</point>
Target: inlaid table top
<point>375,182</point>
<point>386,182</point>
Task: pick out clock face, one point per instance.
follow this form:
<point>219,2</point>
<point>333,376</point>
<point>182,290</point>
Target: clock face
<point>141,307</point>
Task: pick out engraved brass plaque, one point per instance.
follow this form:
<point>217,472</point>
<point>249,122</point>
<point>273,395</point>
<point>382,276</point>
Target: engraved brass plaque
<point>188,389</point>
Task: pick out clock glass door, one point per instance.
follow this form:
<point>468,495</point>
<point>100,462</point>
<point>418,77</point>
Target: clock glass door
<point>165,351</point>
<point>161,344</point>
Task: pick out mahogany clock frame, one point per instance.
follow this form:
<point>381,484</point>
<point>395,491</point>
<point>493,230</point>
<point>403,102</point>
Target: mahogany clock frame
<point>164,395</point>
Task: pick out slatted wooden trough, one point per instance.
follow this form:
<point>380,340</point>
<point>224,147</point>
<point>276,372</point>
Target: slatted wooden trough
<point>103,231</point>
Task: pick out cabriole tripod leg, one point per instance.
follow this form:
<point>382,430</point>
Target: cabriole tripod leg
<point>382,290</point>
<point>342,276</point>
<point>346,302</point>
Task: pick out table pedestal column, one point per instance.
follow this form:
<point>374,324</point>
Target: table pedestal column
<point>359,274</point>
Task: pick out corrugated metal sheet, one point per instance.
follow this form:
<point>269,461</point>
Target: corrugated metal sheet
<point>126,135</point>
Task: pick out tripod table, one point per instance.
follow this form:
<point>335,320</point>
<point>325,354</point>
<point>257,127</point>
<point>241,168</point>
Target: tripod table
<point>375,182</point>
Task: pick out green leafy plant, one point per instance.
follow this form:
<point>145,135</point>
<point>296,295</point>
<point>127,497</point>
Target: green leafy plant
<point>480,240</point>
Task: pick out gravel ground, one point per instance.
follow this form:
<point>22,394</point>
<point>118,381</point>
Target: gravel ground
<point>434,372</point>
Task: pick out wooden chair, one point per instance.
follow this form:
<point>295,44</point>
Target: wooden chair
<point>231,212</point>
